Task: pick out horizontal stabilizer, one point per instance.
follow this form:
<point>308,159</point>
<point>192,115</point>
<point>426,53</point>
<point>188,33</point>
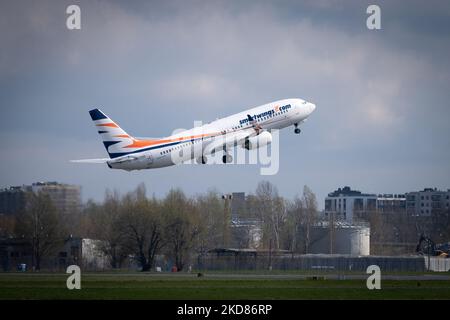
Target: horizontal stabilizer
<point>104,160</point>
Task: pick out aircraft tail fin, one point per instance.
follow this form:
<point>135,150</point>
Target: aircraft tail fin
<point>115,139</point>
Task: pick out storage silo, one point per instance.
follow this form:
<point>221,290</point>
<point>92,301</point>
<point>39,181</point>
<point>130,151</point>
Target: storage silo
<point>347,239</point>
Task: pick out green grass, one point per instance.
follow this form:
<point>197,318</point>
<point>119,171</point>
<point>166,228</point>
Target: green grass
<point>188,286</point>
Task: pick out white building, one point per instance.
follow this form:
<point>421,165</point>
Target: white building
<point>391,203</point>
<point>423,203</point>
<point>345,203</point>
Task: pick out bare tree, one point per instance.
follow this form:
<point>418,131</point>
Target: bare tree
<point>210,209</point>
<point>105,223</point>
<point>271,210</point>
<point>291,233</point>
<point>310,214</point>
<point>142,226</point>
<point>302,216</point>
<point>7,226</point>
<point>182,226</point>
<point>440,225</point>
<point>39,224</point>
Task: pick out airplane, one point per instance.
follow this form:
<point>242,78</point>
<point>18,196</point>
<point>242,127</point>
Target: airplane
<point>249,129</point>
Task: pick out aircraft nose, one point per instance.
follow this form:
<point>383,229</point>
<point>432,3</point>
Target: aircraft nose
<point>312,107</point>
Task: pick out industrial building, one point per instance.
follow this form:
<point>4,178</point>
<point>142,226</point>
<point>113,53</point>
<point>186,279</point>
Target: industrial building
<point>344,238</point>
<point>246,233</point>
<point>87,253</point>
<point>246,230</point>
<point>238,205</point>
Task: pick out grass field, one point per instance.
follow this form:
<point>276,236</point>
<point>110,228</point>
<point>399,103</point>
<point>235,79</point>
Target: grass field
<point>227,287</point>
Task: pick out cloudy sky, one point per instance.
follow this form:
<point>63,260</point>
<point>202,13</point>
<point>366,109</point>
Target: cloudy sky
<point>382,118</point>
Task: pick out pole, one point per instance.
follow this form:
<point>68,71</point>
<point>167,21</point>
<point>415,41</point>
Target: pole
<point>270,254</point>
<point>226,220</point>
<point>428,251</point>
<point>331,222</point>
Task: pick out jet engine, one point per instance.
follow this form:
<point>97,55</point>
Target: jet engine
<point>261,140</point>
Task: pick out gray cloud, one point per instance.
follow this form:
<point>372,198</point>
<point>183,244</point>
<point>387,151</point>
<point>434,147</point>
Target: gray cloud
<point>382,119</point>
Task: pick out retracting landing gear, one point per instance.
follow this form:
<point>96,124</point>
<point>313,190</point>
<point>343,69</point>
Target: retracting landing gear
<point>297,129</point>
<point>226,158</point>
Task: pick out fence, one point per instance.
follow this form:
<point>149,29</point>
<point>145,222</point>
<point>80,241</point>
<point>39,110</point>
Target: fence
<point>316,262</point>
<point>437,264</point>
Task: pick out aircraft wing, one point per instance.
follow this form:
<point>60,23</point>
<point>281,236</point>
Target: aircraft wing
<point>230,140</point>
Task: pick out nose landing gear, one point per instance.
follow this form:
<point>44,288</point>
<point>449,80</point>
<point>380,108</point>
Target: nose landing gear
<point>297,129</point>
<point>202,160</point>
<point>226,158</point>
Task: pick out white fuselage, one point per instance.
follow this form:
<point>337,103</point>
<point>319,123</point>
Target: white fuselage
<point>202,140</point>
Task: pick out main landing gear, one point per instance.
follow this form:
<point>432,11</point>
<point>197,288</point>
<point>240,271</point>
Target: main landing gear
<point>226,158</point>
<point>297,129</point>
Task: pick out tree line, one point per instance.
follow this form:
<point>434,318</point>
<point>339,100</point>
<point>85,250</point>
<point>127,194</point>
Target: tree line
<point>138,227</point>
<point>181,228</point>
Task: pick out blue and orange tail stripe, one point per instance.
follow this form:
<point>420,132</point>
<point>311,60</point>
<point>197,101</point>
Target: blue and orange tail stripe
<point>119,143</point>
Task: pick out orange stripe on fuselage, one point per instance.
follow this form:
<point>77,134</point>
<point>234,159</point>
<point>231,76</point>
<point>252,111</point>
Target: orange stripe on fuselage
<point>110,124</point>
<point>146,143</point>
